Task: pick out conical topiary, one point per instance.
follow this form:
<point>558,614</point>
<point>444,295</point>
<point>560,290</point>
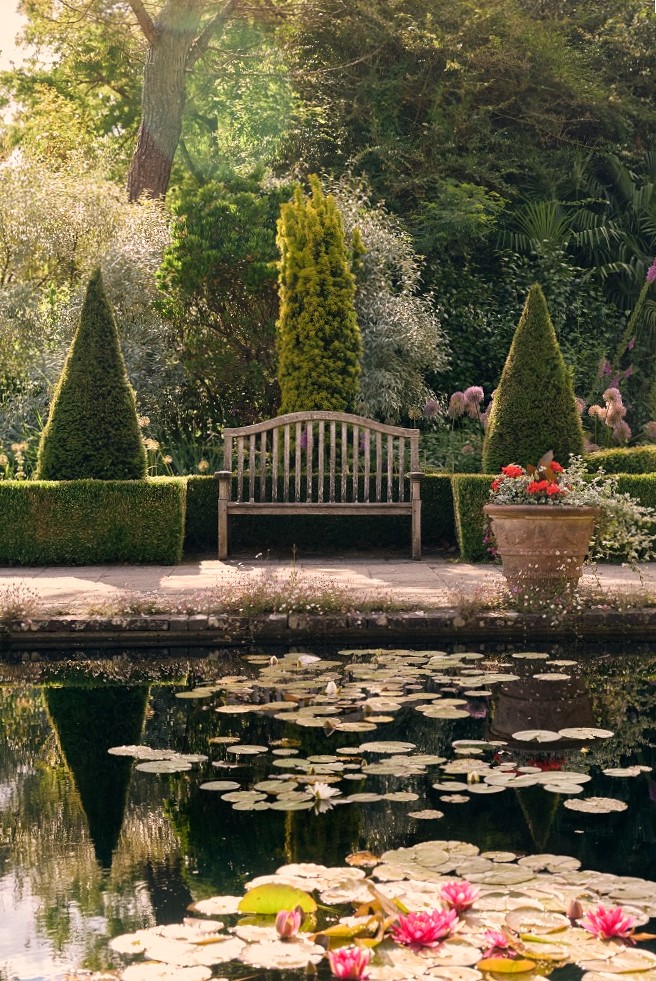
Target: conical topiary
<point>318,338</point>
<point>534,408</point>
<point>92,429</point>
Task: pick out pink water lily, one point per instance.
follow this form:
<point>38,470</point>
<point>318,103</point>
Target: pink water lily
<point>608,923</point>
<point>459,895</point>
<point>349,962</point>
<point>288,922</point>
<point>426,929</point>
<point>498,944</point>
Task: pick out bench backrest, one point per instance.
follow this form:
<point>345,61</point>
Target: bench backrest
<point>322,457</point>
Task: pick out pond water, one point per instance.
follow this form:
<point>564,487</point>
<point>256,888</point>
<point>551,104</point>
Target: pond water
<point>261,760</point>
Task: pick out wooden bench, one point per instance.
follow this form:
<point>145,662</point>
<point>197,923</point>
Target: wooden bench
<point>320,463</point>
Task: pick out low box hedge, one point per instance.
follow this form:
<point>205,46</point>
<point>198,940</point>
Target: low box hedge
<point>78,522</point>
<point>470,493</point>
<point>264,532</point>
<point>623,459</point>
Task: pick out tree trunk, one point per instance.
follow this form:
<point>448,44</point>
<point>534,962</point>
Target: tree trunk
<point>163,99</point>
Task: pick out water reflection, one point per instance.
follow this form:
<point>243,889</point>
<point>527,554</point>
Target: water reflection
<point>91,847</point>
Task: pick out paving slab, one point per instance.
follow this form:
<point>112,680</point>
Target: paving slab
<point>435,582</point>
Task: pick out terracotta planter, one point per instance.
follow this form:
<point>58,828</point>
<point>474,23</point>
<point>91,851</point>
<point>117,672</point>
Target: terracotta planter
<point>542,545</point>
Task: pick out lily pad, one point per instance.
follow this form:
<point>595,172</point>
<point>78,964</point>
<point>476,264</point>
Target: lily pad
<point>271,898</point>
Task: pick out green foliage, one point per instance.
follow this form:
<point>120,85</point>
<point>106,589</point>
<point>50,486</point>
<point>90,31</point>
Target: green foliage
<point>534,409</point>
<point>92,430</point>
<point>84,522</point>
<point>470,494</point>
<point>318,340</point>
<point>218,286</point>
<point>623,459</point>
<point>402,340</point>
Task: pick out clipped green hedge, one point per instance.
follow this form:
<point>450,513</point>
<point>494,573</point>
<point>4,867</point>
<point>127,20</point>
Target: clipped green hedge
<point>623,459</point>
<point>77,522</point>
<point>470,493</point>
<point>259,533</point>
<point>641,486</point>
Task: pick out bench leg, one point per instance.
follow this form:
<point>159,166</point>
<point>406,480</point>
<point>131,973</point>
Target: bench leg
<point>416,529</point>
<point>223,530</point>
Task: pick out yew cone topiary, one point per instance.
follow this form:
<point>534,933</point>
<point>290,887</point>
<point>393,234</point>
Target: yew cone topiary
<point>534,408</point>
<point>92,430</point>
<point>318,339</point>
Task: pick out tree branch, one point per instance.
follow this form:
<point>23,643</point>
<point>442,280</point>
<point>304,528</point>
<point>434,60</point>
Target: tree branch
<point>200,45</point>
<point>145,21</point>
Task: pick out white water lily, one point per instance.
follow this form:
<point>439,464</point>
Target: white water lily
<point>322,791</point>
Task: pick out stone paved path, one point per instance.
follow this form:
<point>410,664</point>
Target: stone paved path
<point>430,584</point>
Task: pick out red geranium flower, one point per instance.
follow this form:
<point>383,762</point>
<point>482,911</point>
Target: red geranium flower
<point>556,467</point>
<point>537,487</point>
<point>553,489</point>
<point>512,470</point>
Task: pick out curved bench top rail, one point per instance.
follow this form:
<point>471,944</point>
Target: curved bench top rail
<point>317,416</point>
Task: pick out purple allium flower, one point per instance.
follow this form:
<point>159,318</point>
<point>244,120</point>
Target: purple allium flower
<point>612,394</point>
<point>651,272</point>
<point>589,447</point>
<point>580,405</point>
<point>597,412</point>
<point>456,405</point>
<point>604,368</point>
<point>650,430</point>
<point>474,394</point>
<point>432,408</point>
<point>621,431</point>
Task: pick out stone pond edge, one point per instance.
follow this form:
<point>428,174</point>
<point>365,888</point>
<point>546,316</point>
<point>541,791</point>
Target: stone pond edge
<point>210,630</point>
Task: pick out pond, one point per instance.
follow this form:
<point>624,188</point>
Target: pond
<point>133,787</point>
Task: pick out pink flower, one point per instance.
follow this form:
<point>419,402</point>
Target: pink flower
<point>288,922</point>
<point>474,394</point>
<point>608,923</point>
<point>650,430</point>
<point>498,944</point>
<point>651,272</point>
<point>432,409</point>
<point>424,929</point>
<point>496,938</point>
<point>456,405</point>
<point>621,431</point>
<point>580,405</point>
<point>459,895</point>
<point>574,911</point>
<point>349,962</point>
<point>612,395</point>
<point>597,412</point>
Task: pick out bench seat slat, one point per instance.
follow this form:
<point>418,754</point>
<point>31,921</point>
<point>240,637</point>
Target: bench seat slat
<point>303,507</point>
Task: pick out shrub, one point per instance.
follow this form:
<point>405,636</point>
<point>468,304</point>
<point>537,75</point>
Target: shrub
<point>92,430</point>
<point>623,459</point>
<point>534,408</point>
<point>318,338</point>
<point>80,522</point>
